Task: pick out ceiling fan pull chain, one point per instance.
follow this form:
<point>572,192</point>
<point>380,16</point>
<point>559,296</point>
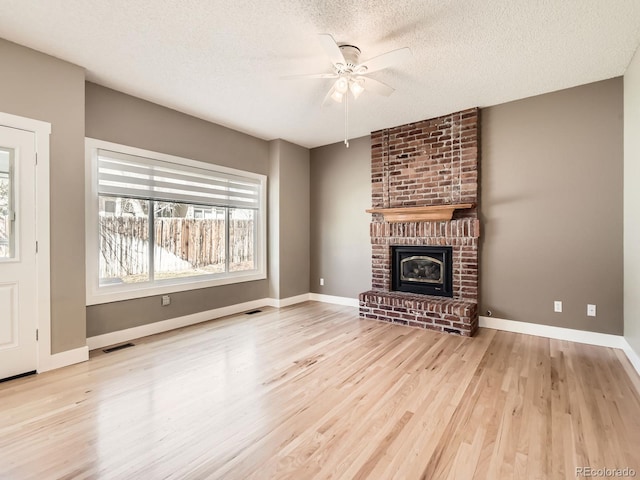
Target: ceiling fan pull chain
<point>346,119</point>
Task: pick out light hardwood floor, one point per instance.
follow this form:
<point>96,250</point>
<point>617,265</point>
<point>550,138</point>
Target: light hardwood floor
<point>311,391</point>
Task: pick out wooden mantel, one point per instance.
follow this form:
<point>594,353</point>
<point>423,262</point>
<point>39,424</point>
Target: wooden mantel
<point>433,213</point>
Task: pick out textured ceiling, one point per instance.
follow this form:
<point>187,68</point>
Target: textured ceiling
<point>223,61</point>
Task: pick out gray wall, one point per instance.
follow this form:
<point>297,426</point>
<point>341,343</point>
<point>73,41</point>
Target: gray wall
<point>631,203</point>
<point>120,118</point>
<point>289,219</point>
<point>340,242</point>
<point>44,88</point>
<point>551,209</point>
<point>551,183</point>
<point>116,117</point>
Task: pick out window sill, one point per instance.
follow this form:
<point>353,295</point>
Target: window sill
<point>117,293</point>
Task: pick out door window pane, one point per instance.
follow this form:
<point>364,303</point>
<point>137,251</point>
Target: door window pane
<point>124,240</point>
<point>189,240</point>
<point>7,215</point>
<point>242,239</point>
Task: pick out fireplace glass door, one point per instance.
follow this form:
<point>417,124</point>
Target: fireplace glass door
<point>422,269</point>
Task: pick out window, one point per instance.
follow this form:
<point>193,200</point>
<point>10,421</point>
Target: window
<point>7,217</point>
<point>158,224</point>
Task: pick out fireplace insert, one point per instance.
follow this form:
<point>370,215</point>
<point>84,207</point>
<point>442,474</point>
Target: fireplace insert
<point>422,269</point>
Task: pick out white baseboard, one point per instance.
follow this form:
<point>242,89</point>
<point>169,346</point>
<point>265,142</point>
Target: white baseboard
<point>81,354</point>
<point>128,334</point>
<point>120,336</point>
<point>559,333</point>
<point>349,302</point>
<point>631,354</point>
<point>285,302</point>
<point>64,359</point>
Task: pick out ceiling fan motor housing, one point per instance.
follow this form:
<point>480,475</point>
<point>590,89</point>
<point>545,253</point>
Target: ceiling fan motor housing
<point>351,53</point>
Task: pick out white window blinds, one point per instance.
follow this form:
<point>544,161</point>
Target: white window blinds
<point>124,175</point>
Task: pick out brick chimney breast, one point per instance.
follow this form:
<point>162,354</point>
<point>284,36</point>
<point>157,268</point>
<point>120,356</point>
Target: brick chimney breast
<point>426,163</point>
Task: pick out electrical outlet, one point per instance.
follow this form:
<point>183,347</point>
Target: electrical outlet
<point>166,300</point>
<point>557,306</point>
<point>322,282</point>
<point>591,310</point>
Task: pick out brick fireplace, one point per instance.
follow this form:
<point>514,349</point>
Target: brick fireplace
<point>417,170</point>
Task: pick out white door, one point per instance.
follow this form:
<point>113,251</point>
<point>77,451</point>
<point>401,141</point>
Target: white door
<point>18,293</point>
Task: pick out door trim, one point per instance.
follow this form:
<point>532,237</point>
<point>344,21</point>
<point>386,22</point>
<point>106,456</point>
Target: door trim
<point>42,132</point>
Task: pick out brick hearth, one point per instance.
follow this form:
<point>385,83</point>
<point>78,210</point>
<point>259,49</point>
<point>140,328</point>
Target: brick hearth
<point>433,162</point>
<point>436,313</point>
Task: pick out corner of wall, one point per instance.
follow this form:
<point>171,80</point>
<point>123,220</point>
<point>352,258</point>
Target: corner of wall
<point>631,201</point>
<point>273,229</point>
<point>289,222</point>
<point>340,245</point>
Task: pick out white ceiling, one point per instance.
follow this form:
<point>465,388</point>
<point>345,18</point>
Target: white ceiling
<point>222,60</point>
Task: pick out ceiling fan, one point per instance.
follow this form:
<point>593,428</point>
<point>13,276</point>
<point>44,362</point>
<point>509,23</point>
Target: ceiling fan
<point>351,75</point>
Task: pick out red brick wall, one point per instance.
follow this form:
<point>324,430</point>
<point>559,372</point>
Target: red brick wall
<point>432,162</point>
<point>462,235</point>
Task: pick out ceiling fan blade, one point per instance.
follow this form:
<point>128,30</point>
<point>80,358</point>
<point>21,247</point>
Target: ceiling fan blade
<point>310,75</point>
<point>331,48</point>
<point>386,60</point>
<point>375,86</point>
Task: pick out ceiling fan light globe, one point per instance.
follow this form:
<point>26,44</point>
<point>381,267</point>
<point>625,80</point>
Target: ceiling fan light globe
<point>337,96</point>
<point>356,87</point>
<point>342,85</point>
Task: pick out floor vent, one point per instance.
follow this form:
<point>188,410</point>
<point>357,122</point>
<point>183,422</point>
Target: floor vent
<point>118,347</point>
<point>252,312</point>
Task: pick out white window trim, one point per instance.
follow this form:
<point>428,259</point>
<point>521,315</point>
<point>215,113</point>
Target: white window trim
<point>113,293</point>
